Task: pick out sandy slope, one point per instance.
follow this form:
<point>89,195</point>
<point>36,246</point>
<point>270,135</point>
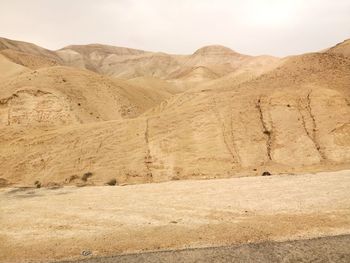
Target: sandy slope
<point>28,54</point>
<point>9,69</point>
<point>341,48</point>
<point>62,96</point>
<point>29,60</point>
<point>215,113</point>
<point>293,119</point>
<point>24,47</point>
<point>47,224</point>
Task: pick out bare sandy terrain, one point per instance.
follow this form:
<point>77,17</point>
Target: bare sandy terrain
<point>38,225</point>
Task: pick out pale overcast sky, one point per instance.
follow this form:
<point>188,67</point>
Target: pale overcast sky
<point>276,27</point>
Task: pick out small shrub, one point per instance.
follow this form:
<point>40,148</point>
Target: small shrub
<point>86,176</point>
<point>267,132</point>
<point>266,173</point>
<point>37,184</point>
<point>72,178</point>
<point>112,182</point>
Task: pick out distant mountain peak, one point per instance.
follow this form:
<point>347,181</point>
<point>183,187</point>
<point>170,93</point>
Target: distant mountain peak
<point>214,49</point>
<point>89,48</point>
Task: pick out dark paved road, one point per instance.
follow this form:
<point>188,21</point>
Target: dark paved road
<point>327,249</point>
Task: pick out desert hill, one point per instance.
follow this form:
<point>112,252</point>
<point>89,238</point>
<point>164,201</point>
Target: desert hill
<point>95,57</point>
<point>9,68</point>
<point>25,47</point>
<point>132,63</point>
<point>341,48</point>
<point>64,96</point>
<point>219,59</point>
<point>215,113</point>
<point>27,54</point>
<point>29,60</point>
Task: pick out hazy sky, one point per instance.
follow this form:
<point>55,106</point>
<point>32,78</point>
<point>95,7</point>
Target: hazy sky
<point>276,27</point>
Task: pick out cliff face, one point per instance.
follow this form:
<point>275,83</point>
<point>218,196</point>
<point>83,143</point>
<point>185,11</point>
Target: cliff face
<point>292,117</point>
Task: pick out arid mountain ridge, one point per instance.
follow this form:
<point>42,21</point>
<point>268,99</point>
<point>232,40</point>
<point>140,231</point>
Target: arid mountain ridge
<point>138,116</point>
<point>129,63</point>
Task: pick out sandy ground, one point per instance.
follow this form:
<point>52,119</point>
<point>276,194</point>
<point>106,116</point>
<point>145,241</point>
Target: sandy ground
<point>40,225</point>
<point>325,249</point>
